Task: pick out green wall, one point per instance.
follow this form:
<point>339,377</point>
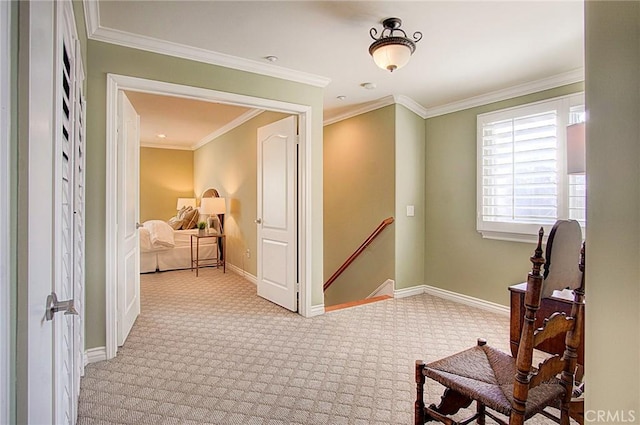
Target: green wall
<point>613,208</point>
<point>103,58</point>
<point>457,258</point>
<point>229,164</point>
<point>410,190</point>
<point>359,192</point>
<point>165,176</point>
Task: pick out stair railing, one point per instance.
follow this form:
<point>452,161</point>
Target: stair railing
<point>361,248</point>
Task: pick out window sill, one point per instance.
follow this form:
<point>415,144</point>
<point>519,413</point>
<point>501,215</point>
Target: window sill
<point>513,237</point>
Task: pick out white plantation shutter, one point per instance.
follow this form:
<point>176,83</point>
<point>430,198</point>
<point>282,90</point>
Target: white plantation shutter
<point>522,182</point>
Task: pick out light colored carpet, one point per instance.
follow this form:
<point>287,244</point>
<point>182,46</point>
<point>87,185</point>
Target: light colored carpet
<point>209,350</point>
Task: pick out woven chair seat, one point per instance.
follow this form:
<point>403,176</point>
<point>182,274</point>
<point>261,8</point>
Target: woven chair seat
<point>485,374</point>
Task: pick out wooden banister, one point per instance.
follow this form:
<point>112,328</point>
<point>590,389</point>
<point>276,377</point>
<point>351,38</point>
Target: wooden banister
<point>362,247</point>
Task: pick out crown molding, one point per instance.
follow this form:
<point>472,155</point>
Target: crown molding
<point>575,76</point>
<point>164,146</point>
<point>150,44</point>
<point>411,105</point>
<point>362,108</point>
<point>559,80</point>
<point>227,127</point>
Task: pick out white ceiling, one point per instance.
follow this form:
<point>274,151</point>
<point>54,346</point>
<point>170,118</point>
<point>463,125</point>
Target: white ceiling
<point>468,49</point>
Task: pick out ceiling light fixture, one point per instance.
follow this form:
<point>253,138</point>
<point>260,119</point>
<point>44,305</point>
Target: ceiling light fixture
<point>271,58</point>
<point>393,48</point>
<point>162,136</point>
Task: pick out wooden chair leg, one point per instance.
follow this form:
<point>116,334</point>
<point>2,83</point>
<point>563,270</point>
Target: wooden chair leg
<point>419,404</point>
<point>480,410</point>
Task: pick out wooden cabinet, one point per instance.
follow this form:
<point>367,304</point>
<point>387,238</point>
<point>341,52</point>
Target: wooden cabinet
<point>547,307</point>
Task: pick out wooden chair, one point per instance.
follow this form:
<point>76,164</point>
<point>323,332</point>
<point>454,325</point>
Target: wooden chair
<point>499,382</point>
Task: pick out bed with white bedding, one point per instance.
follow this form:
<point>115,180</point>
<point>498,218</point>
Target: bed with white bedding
<point>162,248</point>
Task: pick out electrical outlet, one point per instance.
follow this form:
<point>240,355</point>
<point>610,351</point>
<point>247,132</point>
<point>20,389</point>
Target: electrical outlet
<point>248,253</point>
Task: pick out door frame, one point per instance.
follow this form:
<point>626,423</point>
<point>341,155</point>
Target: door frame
<point>5,212</point>
<point>117,82</point>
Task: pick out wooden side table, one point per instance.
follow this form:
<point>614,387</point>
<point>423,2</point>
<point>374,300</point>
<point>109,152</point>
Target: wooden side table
<point>547,307</point>
<point>218,260</point>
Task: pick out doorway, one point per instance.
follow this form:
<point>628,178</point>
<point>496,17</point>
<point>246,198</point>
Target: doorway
<point>115,83</point>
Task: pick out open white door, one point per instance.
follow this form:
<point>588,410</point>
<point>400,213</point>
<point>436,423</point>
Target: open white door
<point>277,213</point>
<point>128,276</point>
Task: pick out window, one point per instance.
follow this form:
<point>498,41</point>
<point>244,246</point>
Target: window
<point>522,179</point>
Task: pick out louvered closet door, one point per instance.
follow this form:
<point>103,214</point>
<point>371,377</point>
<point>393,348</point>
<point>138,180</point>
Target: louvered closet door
<point>69,210</point>
<point>78,222</point>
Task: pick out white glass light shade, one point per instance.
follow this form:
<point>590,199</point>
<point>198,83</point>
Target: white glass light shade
<point>576,155</point>
<point>185,202</point>
<point>392,56</point>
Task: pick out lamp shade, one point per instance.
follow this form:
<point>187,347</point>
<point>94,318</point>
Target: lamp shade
<point>219,206</point>
<point>392,56</point>
<point>392,49</point>
<point>213,206</point>
<point>186,202</point>
<point>207,206</point>
<point>576,156</point>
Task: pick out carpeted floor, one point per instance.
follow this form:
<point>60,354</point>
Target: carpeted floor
<point>209,350</point>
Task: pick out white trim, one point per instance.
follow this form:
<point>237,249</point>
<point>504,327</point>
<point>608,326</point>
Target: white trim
<point>94,355</point>
<point>467,300</point>
<point>316,310</point>
<point>227,127</point>
<point>243,273</point>
<point>165,146</point>
<point>559,80</point>
<point>409,292</point>
<point>361,109</point>
<point>386,288</point>
<point>5,210</point>
<point>136,41</point>
<point>92,15</point>
<point>121,82</point>
<point>453,296</point>
<point>411,105</point>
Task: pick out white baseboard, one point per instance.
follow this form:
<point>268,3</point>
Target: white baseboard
<point>248,276</point>
<point>409,292</point>
<point>93,355</point>
<point>452,296</point>
<point>467,300</point>
<point>387,288</point>
<point>316,310</point>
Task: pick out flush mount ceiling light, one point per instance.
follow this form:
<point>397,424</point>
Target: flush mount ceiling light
<point>393,48</point>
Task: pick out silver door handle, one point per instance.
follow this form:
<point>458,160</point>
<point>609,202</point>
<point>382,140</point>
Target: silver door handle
<point>258,220</point>
<point>138,225</point>
<point>54,306</point>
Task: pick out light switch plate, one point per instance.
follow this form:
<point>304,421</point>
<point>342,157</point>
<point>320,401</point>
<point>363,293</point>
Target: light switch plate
<point>410,211</point>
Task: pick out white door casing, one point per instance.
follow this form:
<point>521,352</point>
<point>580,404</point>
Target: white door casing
<point>277,213</point>
<point>116,83</point>
<point>5,207</point>
<point>128,242</point>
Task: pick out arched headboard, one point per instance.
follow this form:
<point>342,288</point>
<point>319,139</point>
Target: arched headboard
<point>210,193</point>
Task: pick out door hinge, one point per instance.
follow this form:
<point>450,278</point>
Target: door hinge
<point>297,140</point>
<point>297,286</point>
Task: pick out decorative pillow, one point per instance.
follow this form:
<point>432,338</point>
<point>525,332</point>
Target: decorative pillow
<point>175,223</point>
<point>190,220</point>
<point>183,211</point>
